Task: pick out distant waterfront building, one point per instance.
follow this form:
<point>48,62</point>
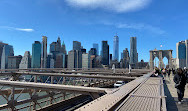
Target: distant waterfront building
<point>186,44</point>
<point>93,51</point>
<point>14,61</point>
<point>75,59</point>
<point>133,51</point>
<point>44,52</point>
<point>105,53</point>
<point>181,54</point>
<point>36,55</point>
<point>58,47</point>
<point>142,65</point>
<point>92,61</point>
<point>110,57</point>
<point>50,61</point>
<point>96,46</point>
<point>77,45</point>
<point>116,48</point>
<point>83,50</point>
<point>26,61</point>
<point>63,48</point>
<point>125,60</point>
<point>85,61</point>
<point>60,60</point>
<point>1,50</point>
<point>7,51</point>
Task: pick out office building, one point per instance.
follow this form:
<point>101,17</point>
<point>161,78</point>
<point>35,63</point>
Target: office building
<point>50,61</point>
<point>74,59</point>
<point>63,48</point>
<point>77,45</point>
<point>1,50</point>
<point>26,61</point>
<point>85,61</point>
<point>92,61</point>
<point>60,60</point>
<point>96,46</point>
<point>44,52</point>
<point>83,50</point>
<point>14,61</point>
<point>105,53</point>
<point>116,48</point>
<point>181,54</point>
<point>7,51</point>
<point>36,55</point>
<point>133,51</point>
<point>93,51</point>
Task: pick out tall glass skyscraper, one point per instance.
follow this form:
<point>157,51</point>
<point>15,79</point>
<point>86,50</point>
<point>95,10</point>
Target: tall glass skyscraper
<point>105,53</point>
<point>116,48</point>
<point>44,52</point>
<point>7,51</point>
<point>181,54</point>
<point>96,46</point>
<point>76,45</point>
<point>133,50</point>
<point>1,50</point>
<point>36,55</point>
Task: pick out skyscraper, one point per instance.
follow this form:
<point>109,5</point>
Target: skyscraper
<point>181,54</point>
<point>63,48</point>
<point>85,61</point>
<point>36,55</point>
<point>76,45</point>
<point>26,61</point>
<point>7,51</point>
<point>133,50</point>
<point>126,58</point>
<point>105,53</point>
<point>74,59</point>
<point>14,61</point>
<point>186,44</point>
<point>96,46</point>
<point>93,51</point>
<point>44,52</point>
<point>116,48</point>
<point>1,50</point>
<point>58,46</point>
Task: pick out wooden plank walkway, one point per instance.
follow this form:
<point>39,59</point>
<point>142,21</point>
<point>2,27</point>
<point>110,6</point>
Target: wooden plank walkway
<point>149,96</point>
<point>108,101</point>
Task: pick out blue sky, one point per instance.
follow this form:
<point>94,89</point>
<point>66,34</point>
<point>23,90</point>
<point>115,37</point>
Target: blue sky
<point>153,22</point>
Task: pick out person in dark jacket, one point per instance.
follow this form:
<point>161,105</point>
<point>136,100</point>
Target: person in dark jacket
<point>180,82</point>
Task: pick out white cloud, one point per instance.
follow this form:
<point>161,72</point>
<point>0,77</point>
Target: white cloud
<point>25,30</point>
<point>138,26</point>
<point>112,5</point>
<point>18,29</point>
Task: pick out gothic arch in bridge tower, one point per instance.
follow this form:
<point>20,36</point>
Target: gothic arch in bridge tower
<point>160,54</point>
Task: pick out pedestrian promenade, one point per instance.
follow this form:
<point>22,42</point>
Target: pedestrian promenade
<point>172,98</point>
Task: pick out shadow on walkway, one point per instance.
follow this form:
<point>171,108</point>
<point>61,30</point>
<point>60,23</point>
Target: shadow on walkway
<point>170,102</point>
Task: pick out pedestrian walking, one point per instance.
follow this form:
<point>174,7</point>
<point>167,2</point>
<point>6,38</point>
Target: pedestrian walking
<point>180,82</point>
<point>169,72</point>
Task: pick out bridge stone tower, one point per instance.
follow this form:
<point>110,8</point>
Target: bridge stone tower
<point>160,54</point>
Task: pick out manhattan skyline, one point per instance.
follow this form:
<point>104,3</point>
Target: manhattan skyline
<point>153,24</point>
